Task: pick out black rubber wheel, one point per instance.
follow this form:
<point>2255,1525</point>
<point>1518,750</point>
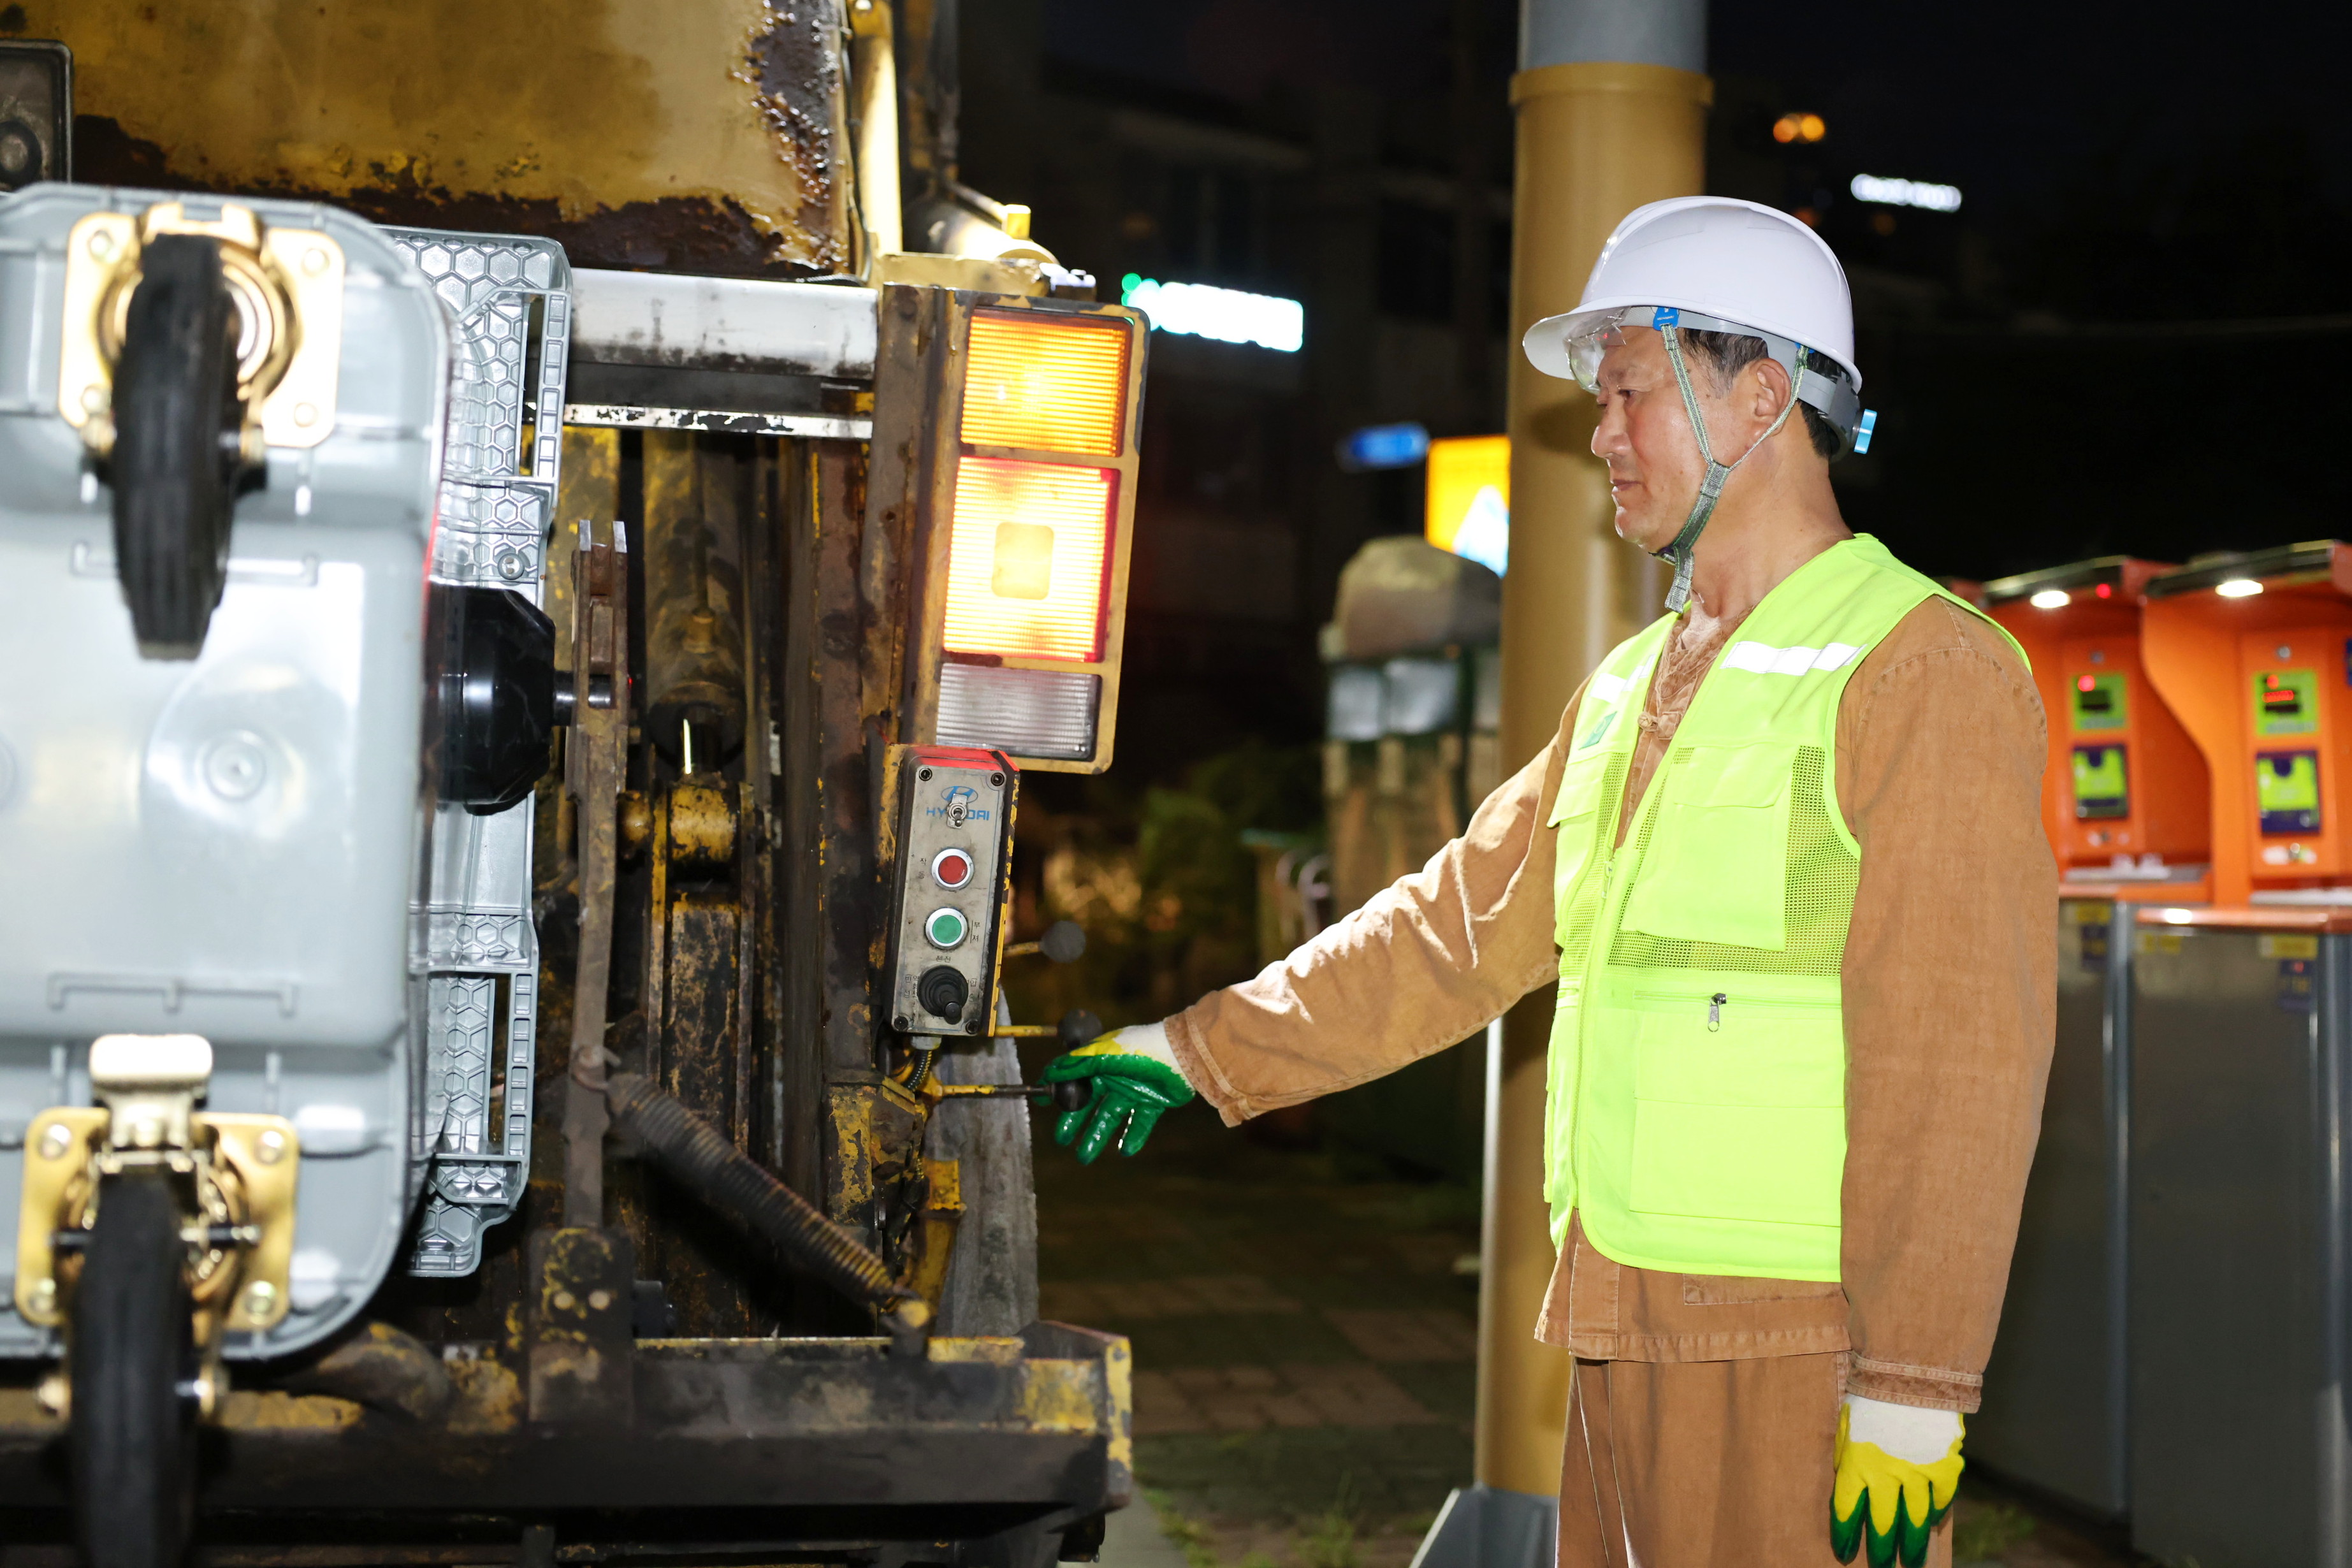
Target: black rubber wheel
<point>175,464</point>
<point>132,1430</point>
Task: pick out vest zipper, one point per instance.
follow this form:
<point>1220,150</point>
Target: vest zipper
<point>1717,1002</point>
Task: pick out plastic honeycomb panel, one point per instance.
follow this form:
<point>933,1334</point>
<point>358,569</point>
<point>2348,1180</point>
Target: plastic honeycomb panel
<point>499,462</point>
<point>492,536</point>
<point>477,1120</point>
<point>500,468</point>
<point>478,932</point>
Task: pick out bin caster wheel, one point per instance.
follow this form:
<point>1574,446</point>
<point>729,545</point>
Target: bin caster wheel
<point>175,464</point>
<point>132,1427</point>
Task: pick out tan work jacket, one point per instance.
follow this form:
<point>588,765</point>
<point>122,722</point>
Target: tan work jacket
<point>1948,1003</point>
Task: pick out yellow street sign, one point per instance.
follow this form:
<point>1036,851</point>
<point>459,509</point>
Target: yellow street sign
<point>1470,497</point>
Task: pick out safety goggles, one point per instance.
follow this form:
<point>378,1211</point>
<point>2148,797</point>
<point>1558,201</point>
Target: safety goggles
<point>1830,394</point>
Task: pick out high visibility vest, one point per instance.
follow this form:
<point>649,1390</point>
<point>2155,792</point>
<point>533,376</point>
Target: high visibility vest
<point>1695,1108</point>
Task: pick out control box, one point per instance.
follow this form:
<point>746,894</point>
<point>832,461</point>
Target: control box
<point>955,836</point>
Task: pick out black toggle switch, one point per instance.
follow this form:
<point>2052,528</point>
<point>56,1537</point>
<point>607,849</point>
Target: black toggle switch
<point>944,992</point>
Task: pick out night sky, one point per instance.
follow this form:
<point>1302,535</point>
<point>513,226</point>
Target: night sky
<point>2125,169</point>
<point>2034,110</point>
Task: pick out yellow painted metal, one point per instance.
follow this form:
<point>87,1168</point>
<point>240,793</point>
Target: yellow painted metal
<point>1118,1370</point>
<point>874,70</point>
<point>589,107</point>
<point>1058,1396</point>
<point>288,284</point>
<point>1595,140</point>
<point>935,1231</point>
<point>979,275</point>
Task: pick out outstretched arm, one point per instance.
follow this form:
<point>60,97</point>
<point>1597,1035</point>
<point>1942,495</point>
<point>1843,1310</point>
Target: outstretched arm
<point>1424,963</point>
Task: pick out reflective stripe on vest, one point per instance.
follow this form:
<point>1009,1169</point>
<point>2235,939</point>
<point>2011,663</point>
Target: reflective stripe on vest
<point>1696,1089</point>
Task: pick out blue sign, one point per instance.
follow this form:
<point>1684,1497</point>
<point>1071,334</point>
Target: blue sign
<point>1383,447</point>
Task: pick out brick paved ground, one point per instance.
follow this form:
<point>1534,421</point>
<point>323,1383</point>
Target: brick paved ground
<point>1306,1349</point>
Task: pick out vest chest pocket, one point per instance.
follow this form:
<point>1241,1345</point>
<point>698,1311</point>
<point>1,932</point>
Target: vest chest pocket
<point>1717,869</point>
<point>1575,822</point>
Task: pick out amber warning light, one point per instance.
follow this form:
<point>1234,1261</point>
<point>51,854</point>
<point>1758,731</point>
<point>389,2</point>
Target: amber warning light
<point>1036,557</point>
<point>1027,557</point>
<point>1045,385</point>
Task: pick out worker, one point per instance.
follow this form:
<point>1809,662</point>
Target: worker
<point>1784,863</point>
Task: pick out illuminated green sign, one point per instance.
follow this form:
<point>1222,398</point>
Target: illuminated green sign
<point>2286,702</point>
<point>2286,786</point>
<point>2099,701</point>
<point>2101,789</point>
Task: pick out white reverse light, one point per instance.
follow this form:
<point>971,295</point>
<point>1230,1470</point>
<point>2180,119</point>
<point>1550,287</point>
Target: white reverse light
<point>2238,588</point>
<point>1228,315</point>
<point>1906,193</point>
<point>2051,599</point>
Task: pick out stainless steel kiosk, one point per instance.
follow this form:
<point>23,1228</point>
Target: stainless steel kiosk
<point>2055,1402</point>
<point>2237,1321</point>
<point>2126,803</point>
<point>2237,1228</point>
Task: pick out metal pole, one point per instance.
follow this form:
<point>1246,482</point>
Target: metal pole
<point>1612,105</point>
<point>874,66</point>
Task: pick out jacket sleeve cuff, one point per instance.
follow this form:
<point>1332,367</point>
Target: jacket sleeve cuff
<point>1930,1388</point>
<point>1200,1070</point>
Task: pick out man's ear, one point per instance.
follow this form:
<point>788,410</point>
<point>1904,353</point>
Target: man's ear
<point>1769,379</point>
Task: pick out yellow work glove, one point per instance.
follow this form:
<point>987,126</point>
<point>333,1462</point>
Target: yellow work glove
<point>1897,1469</point>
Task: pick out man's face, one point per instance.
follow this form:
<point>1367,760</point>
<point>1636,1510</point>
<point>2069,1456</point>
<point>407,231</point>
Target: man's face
<point>1654,467</point>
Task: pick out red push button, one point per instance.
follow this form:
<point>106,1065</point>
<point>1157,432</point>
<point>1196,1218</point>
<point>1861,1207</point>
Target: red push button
<point>951,867</point>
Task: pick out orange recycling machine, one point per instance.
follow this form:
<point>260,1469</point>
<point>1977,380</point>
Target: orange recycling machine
<point>2124,802</point>
<point>2239,1068</point>
<point>2123,797</point>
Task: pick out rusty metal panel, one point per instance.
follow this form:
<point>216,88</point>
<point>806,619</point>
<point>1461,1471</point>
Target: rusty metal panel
<point>694,492</point>
<point>833,1440</point>
<point>700,135</point>
<point>850,608</point>
<point>577,1348</point>
<point>704,1265</point>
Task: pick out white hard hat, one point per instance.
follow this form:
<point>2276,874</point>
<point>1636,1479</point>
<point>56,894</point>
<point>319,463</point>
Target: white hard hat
<point>1718,265</point>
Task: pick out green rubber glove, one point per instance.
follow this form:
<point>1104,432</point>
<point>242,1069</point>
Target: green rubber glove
<point>1135,1081</point>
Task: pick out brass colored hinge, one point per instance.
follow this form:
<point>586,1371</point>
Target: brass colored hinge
<point>288,287</point>
<point>236,1174</point>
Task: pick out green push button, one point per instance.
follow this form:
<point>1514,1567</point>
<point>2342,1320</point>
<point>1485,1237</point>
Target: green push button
<point>945,928</point>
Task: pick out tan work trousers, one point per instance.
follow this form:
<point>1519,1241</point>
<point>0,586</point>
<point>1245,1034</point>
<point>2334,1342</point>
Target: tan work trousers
<point>1704,1464</point>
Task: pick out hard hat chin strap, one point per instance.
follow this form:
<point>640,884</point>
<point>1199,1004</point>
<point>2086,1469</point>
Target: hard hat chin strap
<point>1710,488</point>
